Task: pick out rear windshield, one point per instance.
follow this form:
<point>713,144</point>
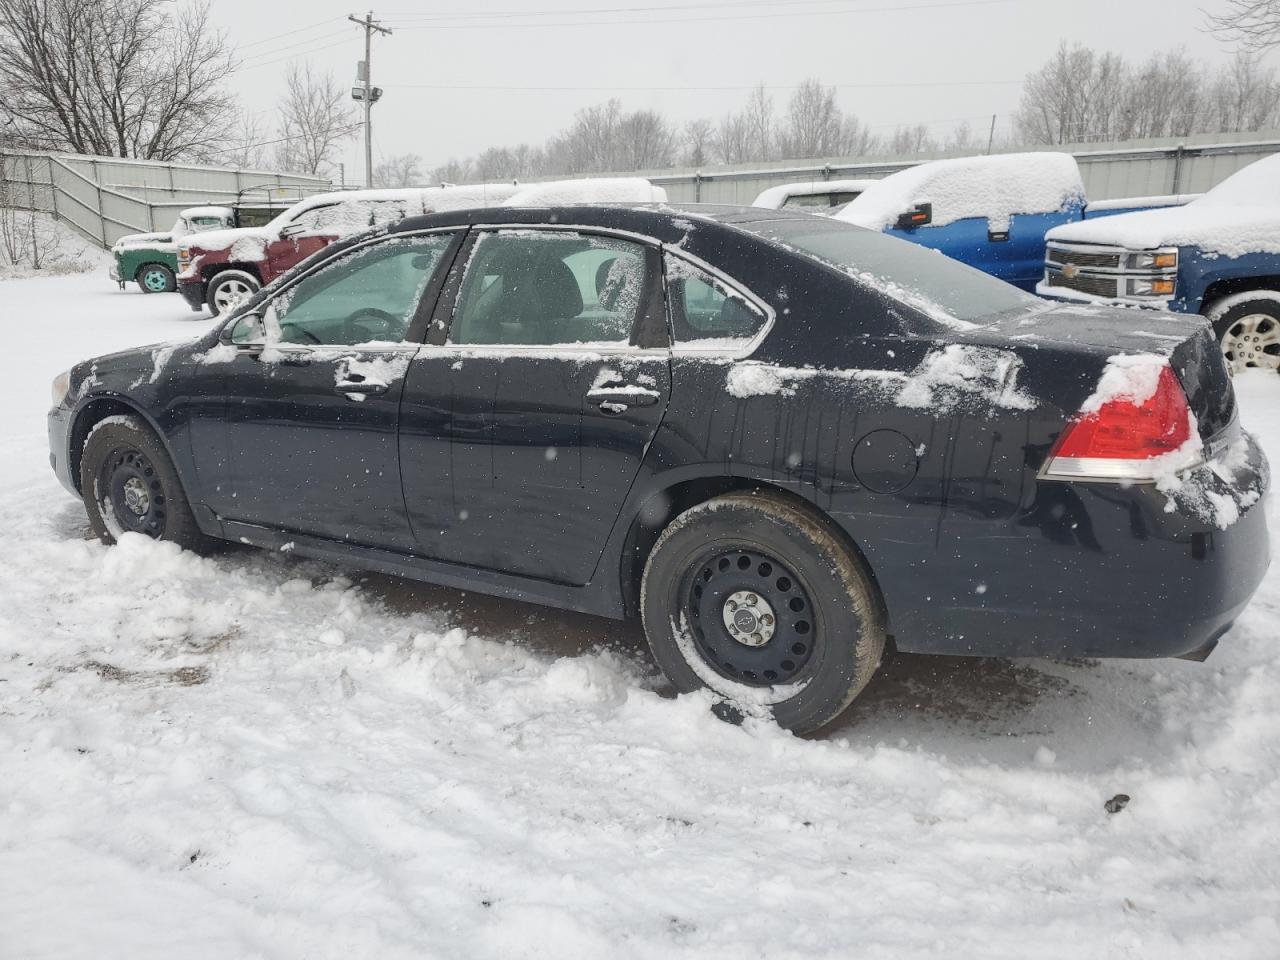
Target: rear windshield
<point>924,279</point>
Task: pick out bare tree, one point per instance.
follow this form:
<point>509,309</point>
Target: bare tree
<point>912,139</point>
<point>246,144</point>
<point>1243,96</point>
<point>732,141</point>
<point>128,78</point>
<point>314,121</point>
<point>1074,97</point>
<point>813,126</point>
<point>759,124</point>
<point>961,138</point>
<point>645,140</point>
<point>1255,24</point>
<point>403,170</point>
<point>698,136</point>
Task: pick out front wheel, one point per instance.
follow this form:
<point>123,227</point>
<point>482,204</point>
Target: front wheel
<point>156,278</point>
<point>759,601</point>
<point>129,485</point>
<point>1247,326</point>
<point>230,288</point>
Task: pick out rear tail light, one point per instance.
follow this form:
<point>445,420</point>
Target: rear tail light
<point>1126,438</point>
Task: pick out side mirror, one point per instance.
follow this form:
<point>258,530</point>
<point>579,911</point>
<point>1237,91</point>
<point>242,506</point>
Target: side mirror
<point>291,230</point>
<point>918,216</point>
<point>247,333</point>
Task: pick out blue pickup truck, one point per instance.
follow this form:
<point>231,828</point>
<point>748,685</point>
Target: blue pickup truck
<point>1218,256</point>
<point>990,212</point>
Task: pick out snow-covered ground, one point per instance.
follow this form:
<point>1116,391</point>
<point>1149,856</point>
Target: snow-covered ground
<point>254,756</point>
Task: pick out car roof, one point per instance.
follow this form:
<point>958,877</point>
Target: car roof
<point>663,221</point>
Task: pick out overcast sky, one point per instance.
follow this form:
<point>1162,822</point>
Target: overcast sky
<point>460,77</point>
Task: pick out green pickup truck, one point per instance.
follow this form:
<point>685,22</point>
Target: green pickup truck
<point>151,259</point>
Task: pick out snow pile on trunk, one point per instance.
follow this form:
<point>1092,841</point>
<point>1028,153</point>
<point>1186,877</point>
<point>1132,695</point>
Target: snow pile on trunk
<point>557,193</point>
<point>1239,216</point>
<point>993,188</point>
<point>957,374</point>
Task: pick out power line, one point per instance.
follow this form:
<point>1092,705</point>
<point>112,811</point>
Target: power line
<point>579,11</point>
<point>289,33</point>
<point>682,89</point>
<point>789,14</point>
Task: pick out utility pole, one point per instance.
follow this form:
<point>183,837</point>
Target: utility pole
<point>991,137</point>
<point>367,94</point>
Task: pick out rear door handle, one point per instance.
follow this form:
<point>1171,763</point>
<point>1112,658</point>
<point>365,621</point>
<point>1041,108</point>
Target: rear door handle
<point>360,386</point>
<point>610,398</point>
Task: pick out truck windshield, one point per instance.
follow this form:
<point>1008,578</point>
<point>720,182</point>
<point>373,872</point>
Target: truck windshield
<point>924,279</point>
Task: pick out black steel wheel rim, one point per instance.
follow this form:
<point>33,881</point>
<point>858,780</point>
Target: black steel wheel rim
<point>726,597</point>
<point>133,492</point>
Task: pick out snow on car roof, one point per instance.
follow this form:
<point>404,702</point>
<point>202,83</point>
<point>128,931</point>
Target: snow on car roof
<point>774,197</point>
<point>993,188</point>
<point>1241,215</point>
<point>555,193</point>
<point>208,212</point>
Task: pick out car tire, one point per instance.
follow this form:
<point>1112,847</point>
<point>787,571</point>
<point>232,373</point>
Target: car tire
<point>814,629</point>
<point>156,278</point>
<point>229,288</point>
<point>1247,327</point>
<point>129,484</point>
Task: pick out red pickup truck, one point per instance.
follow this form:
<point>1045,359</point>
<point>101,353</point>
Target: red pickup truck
<point>219,268</point>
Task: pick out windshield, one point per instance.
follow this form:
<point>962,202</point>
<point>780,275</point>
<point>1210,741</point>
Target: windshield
<point>944,289</point>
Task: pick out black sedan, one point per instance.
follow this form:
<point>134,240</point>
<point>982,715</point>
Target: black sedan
<point>783,441</point>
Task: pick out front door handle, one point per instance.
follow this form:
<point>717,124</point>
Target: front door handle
<point>360,386</point>
<point>611,399</point>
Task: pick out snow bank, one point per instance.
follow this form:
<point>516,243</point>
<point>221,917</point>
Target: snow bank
<point>993,188</point>
<point>775,197</point>
<point>1239,216</point>
<point>557,193</point>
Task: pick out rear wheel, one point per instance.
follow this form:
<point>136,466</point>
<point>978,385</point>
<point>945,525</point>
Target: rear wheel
<point>129,485</point>
<point>156,278</point>
<point>1247,326</point>
<point>230,288</point>
<point>759,601</point>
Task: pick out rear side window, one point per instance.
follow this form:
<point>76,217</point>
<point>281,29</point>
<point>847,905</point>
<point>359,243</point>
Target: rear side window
<point>550,288</point>
<point>705,313</point>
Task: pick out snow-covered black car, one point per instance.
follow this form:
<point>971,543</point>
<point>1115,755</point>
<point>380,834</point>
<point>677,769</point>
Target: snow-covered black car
<point>781,440</point>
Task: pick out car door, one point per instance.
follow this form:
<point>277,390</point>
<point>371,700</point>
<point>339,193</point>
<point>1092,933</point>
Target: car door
<point>312,383</point>
<point>552,382</point>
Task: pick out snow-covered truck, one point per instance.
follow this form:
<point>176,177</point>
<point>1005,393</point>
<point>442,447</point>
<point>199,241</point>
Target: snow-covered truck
<point>1218,256</point>
<point>151,259</point>
<point>990,212</point>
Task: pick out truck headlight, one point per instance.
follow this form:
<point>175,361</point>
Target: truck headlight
<point>61,387</point>
<point>1151,287</point>
<point>1154,260</point>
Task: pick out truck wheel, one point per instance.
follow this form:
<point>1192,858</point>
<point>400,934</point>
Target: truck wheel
<point>156,278</point>
<point>129,485</point>
<point>758,601</point>
<point>230,288</point>
<point>1247,326</point>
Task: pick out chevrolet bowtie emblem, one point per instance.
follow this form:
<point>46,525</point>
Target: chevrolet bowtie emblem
<point>1070,271</point>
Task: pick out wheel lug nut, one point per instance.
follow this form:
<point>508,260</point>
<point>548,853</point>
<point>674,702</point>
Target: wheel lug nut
<point>752,598</point>
<point>767,620</point>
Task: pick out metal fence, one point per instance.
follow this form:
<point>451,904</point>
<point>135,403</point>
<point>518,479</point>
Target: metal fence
<point>104,198</point>
<point>1142,168</point>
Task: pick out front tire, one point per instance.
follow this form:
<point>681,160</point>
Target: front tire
<point>156,278</point>
<point>229,289</point>
<point>129,485</point>
<point>1247,326</point>
<point>762,603</point>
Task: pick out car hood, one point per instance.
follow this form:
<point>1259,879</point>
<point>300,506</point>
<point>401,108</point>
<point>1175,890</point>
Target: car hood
<point>223,239</point>
<point>1224,229</point>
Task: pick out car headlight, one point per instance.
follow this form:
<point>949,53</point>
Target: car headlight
<point>1151,287</point>
<point>61,387</point>
<point>1154,260</point>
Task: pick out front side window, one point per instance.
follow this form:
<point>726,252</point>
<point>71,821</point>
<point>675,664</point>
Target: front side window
<point>705,313</point>
<point>368,295</point>
<point>548,288</point>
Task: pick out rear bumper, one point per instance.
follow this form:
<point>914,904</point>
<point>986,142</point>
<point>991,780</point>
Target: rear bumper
<point>1087,570</point>
<point>193,292</point>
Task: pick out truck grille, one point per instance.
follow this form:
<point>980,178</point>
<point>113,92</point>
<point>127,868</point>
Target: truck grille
<point>1081,258</point>
<point>1094,286</point>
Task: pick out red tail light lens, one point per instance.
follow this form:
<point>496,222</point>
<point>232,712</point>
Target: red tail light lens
<point>1123,436</point>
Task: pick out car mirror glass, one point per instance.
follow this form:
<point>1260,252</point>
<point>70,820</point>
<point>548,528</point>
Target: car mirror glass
<point>248,330</point>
